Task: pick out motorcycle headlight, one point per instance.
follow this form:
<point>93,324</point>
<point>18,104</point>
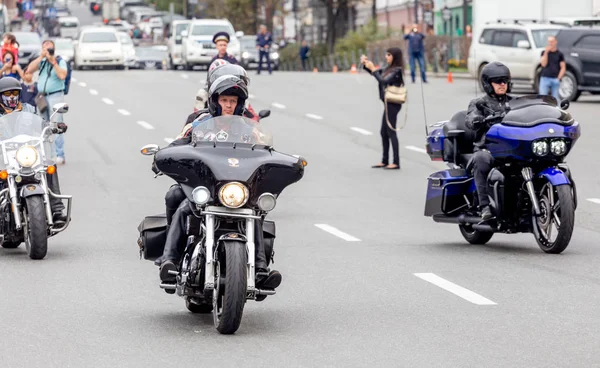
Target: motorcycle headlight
<point>201,195</point>
<point>558,147</point>
<point>540,148</point>
<point>233,195</point>
<point>267,202</point>
<point>26,156</point>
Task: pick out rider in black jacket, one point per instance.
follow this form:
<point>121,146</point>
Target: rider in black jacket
<point>176,236</point>
<point>496,82</point>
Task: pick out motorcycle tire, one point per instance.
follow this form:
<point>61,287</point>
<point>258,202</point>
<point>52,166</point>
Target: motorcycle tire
<point>475,236</point>
<point>36,238</point>
<point>229,296</point>
<point>564,196</point>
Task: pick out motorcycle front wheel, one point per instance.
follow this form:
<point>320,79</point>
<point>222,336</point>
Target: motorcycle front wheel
<point>36,230</point>
<point>557,212</point>
<point>229,294</point>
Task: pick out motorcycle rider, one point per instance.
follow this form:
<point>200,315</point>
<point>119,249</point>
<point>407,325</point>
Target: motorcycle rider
<point>11,90</point>
<point>496,82</point>
<point>227,96</point>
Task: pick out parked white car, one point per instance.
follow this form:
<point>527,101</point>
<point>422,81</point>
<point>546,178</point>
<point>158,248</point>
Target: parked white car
<point>175,42</point>
<point>99,47</point>
<point>128,49</point>
<point>518,45</point>
<point>198,48</point>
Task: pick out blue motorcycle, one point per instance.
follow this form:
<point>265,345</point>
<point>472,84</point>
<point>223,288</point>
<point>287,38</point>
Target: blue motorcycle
<point>531,189</point>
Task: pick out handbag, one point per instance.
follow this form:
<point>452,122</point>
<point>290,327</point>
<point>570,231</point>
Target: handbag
<point>41,101</point>
<point>396,95</point>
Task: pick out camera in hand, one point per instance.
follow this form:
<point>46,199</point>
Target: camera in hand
<point>51,52</point>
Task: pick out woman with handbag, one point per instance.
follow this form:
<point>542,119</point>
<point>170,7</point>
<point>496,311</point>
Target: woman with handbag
<point>393,94</point>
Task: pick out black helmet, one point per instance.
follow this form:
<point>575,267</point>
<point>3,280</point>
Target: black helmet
<point>495,70</point>
<point>227,85</point>
<point>9,100</point>
<point>228,69</point>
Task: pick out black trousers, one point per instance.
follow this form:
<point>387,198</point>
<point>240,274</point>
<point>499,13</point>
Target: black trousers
<point>53,184</point>
<point>177,237</point>
<point>173,199</point>
<point>389,135</point>
<point>482,165</point>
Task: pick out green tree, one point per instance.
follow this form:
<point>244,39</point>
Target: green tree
<point>241,13</point>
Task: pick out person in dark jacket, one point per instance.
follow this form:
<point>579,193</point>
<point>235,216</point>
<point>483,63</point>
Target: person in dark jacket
<point>30,89</point>
<point>221,40</point>
<point>227,96</point>
<point>496,82</point>
<point>416,50</point>
<point>392,75</point>
<point>304,54</point>
<point>263,44</point>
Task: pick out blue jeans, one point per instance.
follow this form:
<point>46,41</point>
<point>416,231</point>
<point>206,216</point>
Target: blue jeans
<point>263,54</point>
<point>421,59</point>
<point>547,83</point>
<point>60,138</point>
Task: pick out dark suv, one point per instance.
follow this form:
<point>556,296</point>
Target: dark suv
<point>581,48</point>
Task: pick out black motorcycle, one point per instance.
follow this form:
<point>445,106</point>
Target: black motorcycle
<point>232,177</point>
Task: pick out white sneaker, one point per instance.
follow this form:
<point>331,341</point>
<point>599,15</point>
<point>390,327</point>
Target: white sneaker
<point>60,160</point>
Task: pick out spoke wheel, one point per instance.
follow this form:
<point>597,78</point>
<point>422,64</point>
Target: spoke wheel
<point>554,226</point>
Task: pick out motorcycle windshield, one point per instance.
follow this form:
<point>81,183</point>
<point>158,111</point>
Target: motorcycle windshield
<point>231,129</point>
<point>532,110</point>
<point>19,129</point>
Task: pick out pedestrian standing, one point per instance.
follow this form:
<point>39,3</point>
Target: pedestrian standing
<point>553,69</point>
<point>416,51</point>
<point>4,19</point>
<point>263,44</point>
<point>221,40</point>
<point>304,54</point>
<point>51,84</point>
<point>390,76</point>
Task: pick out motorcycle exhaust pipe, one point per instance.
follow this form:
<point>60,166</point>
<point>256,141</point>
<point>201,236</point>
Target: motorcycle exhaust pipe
<point>460,220</point>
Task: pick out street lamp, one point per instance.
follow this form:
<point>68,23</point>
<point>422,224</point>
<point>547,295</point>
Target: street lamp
<point>446,15</point>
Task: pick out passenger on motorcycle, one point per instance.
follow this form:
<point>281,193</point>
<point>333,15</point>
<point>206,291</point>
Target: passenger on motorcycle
<point>496,82</point>
<point>227,96</point>
<point>11,89</point>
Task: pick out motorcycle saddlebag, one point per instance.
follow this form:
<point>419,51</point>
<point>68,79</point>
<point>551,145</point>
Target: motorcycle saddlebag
<point>153,235</point>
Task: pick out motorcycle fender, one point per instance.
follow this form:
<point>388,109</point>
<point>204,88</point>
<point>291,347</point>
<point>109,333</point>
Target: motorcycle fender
<point>31,190</point>
<point>233,237</point>
<point>555,176</point>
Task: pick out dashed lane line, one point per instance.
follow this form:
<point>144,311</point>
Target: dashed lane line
<point>336,232</point>
<point>94,92</point>
<point>455,289</point>
<point>361,131</point>
<point>124,112</point>
<point>313,116</point>
<point>145,125</point>
<point>108,101</point>
<point>278,105</point>
<point>416,149</point>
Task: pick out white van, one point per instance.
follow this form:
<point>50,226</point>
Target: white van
<point>69,27</point>
<point>198,47</point>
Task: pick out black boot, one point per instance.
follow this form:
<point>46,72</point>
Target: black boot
<point>166,277</point>
<point>486,213</point>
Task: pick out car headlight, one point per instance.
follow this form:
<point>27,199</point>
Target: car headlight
<point>233,195</point>
<point>245,54</point>
<point>267,202</point>
<point>201,195</point>
<point>558,147</point>
<point>275,56</point>
<point>26,156</point>
<point>540,148</point>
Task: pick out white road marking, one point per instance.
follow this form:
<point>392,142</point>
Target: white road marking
<point>145,125</point>
<point>124,112</point>
<point>278,105</point>
<point>416,149</point>
<point>313,116</point>
<point>594,200</point>
<point>251,96</point>
<point>74,79</point>
<point>169,140</point>
<point>108,101</point>
<point>455,289</point>
<point>340,234</point>
<point>361,131</point>
<point>82,84</point>
<point>94,92</point>
<point>185,76</point>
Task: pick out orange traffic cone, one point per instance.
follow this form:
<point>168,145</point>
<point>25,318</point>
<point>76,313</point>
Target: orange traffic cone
<point>450,77</point>
<point>353,70</point>
<point>315,70</point>
<point>335,68</point>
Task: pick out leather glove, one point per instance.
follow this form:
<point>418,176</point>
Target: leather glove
<point>62,128</point>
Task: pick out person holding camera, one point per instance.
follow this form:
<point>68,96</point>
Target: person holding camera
<point>51,85</point>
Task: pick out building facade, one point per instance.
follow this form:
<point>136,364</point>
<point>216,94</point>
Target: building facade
<point>454,25</point>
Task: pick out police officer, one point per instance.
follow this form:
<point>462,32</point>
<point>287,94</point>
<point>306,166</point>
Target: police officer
<point>221,40</point>
<point>264,40</point>
<point>227,96</point>
<point>496,82</point>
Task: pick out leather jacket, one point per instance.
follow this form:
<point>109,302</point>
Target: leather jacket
<point>475,116</point>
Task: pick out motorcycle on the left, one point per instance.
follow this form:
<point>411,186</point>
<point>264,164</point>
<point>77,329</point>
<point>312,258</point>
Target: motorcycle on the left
<point>27,156</point>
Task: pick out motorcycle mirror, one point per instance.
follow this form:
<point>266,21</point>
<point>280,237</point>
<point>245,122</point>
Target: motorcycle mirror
<point>564,104</point>
<point>150,149</point>
<point>61,108</point>
<point>264,113</point>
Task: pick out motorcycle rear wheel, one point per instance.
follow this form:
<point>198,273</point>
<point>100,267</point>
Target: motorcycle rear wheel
<point>561,214</point>
<point>36,236</point>
<point>475,236</point>
<point>229,295</point>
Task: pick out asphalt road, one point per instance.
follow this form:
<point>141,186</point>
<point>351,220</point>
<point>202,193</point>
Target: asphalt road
<point>348,299</point>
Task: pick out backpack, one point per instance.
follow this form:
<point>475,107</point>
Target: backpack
<point>68,78</point>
